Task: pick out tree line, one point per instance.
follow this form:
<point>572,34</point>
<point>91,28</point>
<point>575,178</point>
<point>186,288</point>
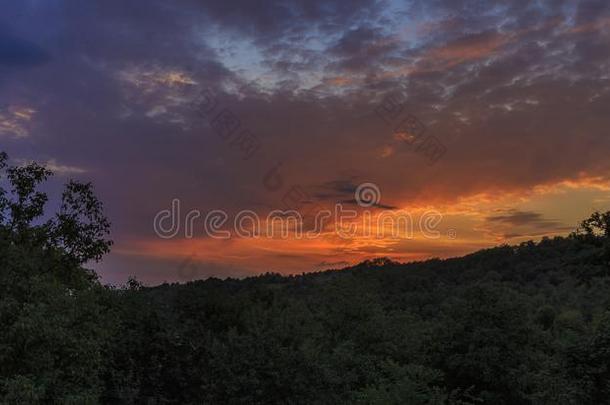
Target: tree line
<point>525,324</point>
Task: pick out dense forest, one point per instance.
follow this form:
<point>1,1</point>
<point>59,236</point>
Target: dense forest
<point>526,324</point>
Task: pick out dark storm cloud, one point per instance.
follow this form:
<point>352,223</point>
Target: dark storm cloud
<point>342,192</point>
<point>518,218</point>
<point>376,205</point>
<point>337,188</point>
<point>526,224</point>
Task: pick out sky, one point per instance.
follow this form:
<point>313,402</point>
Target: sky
<point>487,121</point>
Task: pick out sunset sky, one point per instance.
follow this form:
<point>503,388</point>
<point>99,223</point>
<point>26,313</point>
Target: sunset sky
<point>128,94</point>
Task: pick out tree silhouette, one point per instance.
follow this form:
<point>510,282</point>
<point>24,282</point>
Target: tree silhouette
<point>598,224</point>
<point>54,315</point>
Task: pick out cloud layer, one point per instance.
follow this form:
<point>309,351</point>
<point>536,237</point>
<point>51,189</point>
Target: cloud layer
<point>517,92</point>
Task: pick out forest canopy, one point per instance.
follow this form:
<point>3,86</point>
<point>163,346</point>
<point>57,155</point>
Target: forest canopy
<point>525,324</point>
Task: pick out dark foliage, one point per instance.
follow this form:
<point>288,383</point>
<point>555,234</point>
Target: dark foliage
<point>527,324</point>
